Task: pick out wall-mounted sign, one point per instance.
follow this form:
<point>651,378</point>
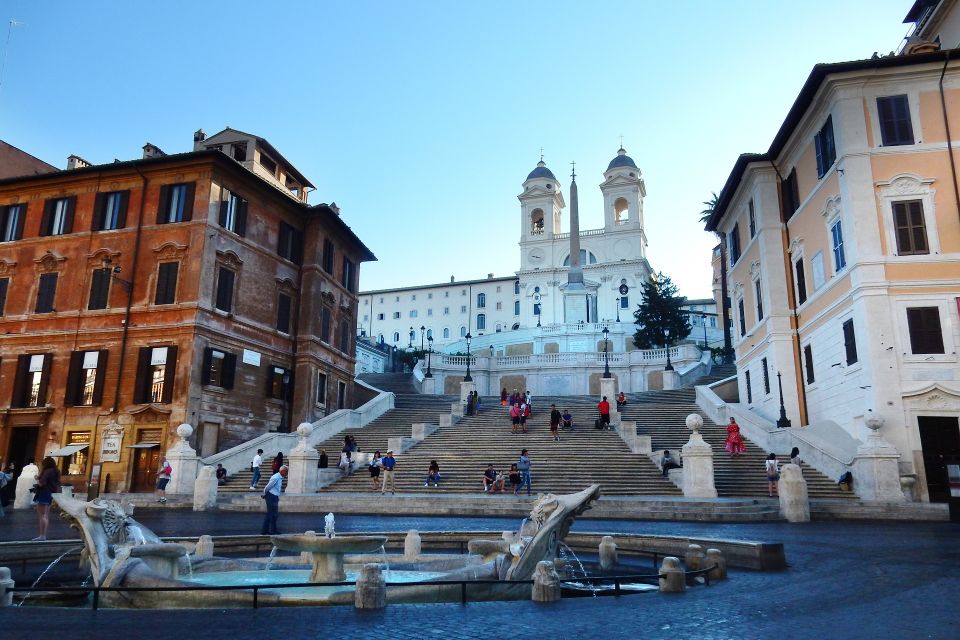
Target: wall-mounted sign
<point>110,443</point>
<point>251,357</point>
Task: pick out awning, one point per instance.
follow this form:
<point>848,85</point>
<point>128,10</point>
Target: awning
<point>143,445</point>
<point>68,450</point>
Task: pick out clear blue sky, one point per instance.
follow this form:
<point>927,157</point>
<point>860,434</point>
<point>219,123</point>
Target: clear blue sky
<point>422,119</point>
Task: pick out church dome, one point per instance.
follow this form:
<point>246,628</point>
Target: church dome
<point>541,172</point>
<point>622,160</point>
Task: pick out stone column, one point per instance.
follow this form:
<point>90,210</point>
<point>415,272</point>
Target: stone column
<point>792,488</point>
<point>6,583</point>
<point>411,546</point>
<point>205,490</point>
<point>671,380</point>
<point>876,472</point>
<point>429,386</point>
<point>608,387</point>
<point>546,583</point>
<point>673,579</point>
<point>184,462</point>
<point>302,475</point>
<point>697,460</point>
<point>371,591</point>
<point>608,553</point>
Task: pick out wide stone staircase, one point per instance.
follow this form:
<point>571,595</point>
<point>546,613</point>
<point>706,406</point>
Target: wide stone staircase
<point>393,382</point>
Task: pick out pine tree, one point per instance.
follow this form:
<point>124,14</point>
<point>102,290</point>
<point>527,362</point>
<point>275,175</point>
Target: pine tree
<point>661,311</point>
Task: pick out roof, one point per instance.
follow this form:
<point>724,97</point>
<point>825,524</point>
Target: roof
<point>17,162</point>
<point>271,149</point>
<point>916,11</point>
<point>817,76</point>
<point>441,285</point>
<point>541,172</point>
<point>622,160</point>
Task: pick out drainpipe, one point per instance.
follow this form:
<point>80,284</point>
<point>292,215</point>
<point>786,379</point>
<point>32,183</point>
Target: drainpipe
<point>725,299</point>
<point>946,125</point>
<point>785,237</point>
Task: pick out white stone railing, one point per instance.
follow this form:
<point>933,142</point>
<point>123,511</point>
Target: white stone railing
<point>686,375</point>
<point>582,234</point>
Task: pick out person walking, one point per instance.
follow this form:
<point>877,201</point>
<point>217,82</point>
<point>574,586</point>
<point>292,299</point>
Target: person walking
<point>515,418</point>
<point>555,419</point>
<point>773,474</point>
<point>163,477</point>
<point>277,462</point>
<point>271,493</point>
<point>388,464</point>
<point>603,407</point>
<point>523,466</point>
<point>255,465</point>
<point>375,471</point>
<point>734,443</point>
<point>48,483</point>
<point>795,456</point>
<point>503,397</point>
<point>470,402</point>
<point>525,416</point>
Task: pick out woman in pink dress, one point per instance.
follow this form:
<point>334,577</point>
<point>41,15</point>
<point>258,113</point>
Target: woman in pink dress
<point>734,444</point>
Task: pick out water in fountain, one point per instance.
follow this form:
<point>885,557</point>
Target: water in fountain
<point>564,551</point>
<point>189,566</point>
<point>273,554</point>
<point>45,571</point>
<point>136,534</point>
<point>386,563</point>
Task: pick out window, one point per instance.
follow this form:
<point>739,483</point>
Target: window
<point>819,276</point>
<point>735,244</point>
<point>396,336</point>
<point>463,332</point>
<point>746,375</point>
<point>924,326</point>
<point>156,367</point>
<point>429,296</point>
<point>290,244</point>
<point>446,294</point>
<point>167,283</point>
<point>413,297</point>
<point>100,289</point>
<point>429,333</point>
<point>341,394</point>
<point>11,222</point>
<point>910,228</point>
<point>110,211</point>
<point>481,300</point>
<point>801,281</point>
<point>752,219</point>
<point>536,310</point>
<point>233,213</point>
<point>790,195</point>
<point>4,285</point>
<point>413,313</point>
<point>33,377</point>
<point>766,376</point>
<point>624,302</point>
<point>498,288</point>
<point>325,325</point>
<point>321,397</point>
<point>283,313</point>
<point>46,293</point>
<point>268,164</point>
<point>429,312</point>
<point>516,288</point>
<point>849,342</point>
<point>516,307</point>
<point>328,255</point>
<point>57,216</point>
<point>218,368</point>
<point>225,280</point>
<point>894,115</point>
<point>347,277</point>
<point>836,237</point>
<point>481,321</point>
<point>463,292</point>
<point>499,306</point>
<point>463,308</point>
<point>825,147</point>
<point>759,293</point>
<point>743,318</point>
<point>176,203</point>
<point>379,316</point>
<point>76,464</point>
<point>808,363</point>
<point>396,315</point>
<point>344,336</point>
<point>446,311</point>
<point>279,383</point>
<point>446,332</point>
<point>586,257</point>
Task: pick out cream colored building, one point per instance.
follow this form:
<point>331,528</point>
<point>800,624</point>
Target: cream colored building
<point>843,247</point>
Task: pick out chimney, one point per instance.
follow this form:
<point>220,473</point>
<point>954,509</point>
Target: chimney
<point>199,135</point>
<point>152,151</point>
<point>489,276</point>
<point>451,279</point>
<point>76,162</point>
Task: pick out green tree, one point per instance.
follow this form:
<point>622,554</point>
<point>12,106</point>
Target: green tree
<point>659,313</point>
<point>710,205</point>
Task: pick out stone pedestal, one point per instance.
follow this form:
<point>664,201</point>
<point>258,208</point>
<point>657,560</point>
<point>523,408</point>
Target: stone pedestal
<point>637,443</point>
<point>876,472</point>
<point>184,462</point>
<point>673,579</point>
<point>447,420</point>
<point>671,380</point>
<point>429,386</point>
<point>205,490</point>
<point>22,496</point>
<point>411,546</point>
<point>697,463</point>
<point>457,409</point>
<point>546,583</point>
<point>714,558</point>
<point>6,583</point>
<point>608,553</point>
<point>465,389</point>
<point>204,548</point>
<point>302,474</point>
<point>371,592</point>
<point>693,558</point>
<point>792,488</point>
<point>608,387</point>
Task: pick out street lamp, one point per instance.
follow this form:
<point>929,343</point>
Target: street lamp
<point>410,343</point>
<point>422,329</point>
<point>467,377</point>
<point>285,381</point>
<point>430,342</point>
<point>703,317</point>
<point>666,337</point>
<point>606,357</point>
<point>782,422</point>
<point>618,308</point>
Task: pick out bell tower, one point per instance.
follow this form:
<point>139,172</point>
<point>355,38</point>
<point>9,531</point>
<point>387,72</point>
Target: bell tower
<point>623,192</point>
<point>540,205</point>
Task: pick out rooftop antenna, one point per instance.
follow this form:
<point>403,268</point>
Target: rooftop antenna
<point>6,47</point>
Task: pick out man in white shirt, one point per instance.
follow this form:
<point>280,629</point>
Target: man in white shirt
<point>271,493</point>
<point>257,461</point>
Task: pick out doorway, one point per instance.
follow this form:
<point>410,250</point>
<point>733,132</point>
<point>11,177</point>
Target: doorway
<point>22,446</point>
<point>145,463</point>
<point>940,442</point>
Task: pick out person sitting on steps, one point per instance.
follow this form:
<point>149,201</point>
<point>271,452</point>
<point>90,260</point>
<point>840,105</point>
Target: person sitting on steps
<point>667,462</point>
<point>492,481</point>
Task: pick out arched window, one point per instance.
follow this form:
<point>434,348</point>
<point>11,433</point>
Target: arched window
<point>396,337</point>
<point>516,288</point>
<point>429,333</point>
<point>536,222</point>
<point>463,331</point>
<point>516,307</point>
<point>499,327</point>
<point>481,300</point>
<point>446,332</point>
<point>481,321</point>
<point>586,257</point>
<point>380,339</point>
<point>621,211</point>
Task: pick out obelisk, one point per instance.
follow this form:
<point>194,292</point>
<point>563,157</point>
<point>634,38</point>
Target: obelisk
<point>575,295</point>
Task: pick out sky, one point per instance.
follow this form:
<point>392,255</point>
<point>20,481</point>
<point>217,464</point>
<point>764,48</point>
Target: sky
<point>422,119</point>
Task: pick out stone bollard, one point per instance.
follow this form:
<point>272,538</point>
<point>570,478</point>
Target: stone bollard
<point>608,553</point>
<point>204,548</point>
<point>6,583</point>
<point>185,463</point>
<point>205,490</point>
<point>411,546</point>
<point>693,558</point>
<point>715,559</point>
<point>697,463</point>
<point>794,504</point>
<point>546,583</point>
<point>673,579</point>
<point>371,591</point>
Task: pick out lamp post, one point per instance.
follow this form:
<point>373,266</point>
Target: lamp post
<point>606,357</point>
<point>429,352</point>
<point>666,337</point>
<point>468,378</point>
<point>782,421</point>
<point>285,381</point>
<point>410,343</point>
<point>618,308</point>
<point>703,317</point>
<point>422,329</point>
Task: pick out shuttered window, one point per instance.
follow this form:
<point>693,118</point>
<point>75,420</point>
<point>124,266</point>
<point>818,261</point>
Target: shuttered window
<point>789,195</point>
<point>57,217</point>
<point>328,255</point>
<point>759,293</point>
<point>801,282</point>
<point>895,125</point>
<point>167,283</point>
<point>290,244</point>
<point>743,318</point>
<point>110,211</point>
<point>156,368</point>
<point>766,375</point>
<point>325,325</point>
<point>825,147</point>
<point>4,285</point>
<point>219,368</point>
<point>849,342</point>
<point>225,279</point>
<point>85,378</point>
<point>32,380</point>
<point>735,244</point>
<point>752,219</point>
<point>46,292</point>
<point>233,213</point>
<point>808,363</point>
<point>283,313</point>
<point>99,289</point>
<point>925,333</point>
<point>746,375</point>
<point>276,385</point>
<point>910,228</point>
<point>347,277</point>
<point>176,203</point>
<point>11,222</point>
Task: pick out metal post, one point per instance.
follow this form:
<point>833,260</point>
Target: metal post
<point>606,357</point>
<point>618,308</point>
<point>704,318</point>
<point>468,378</point>
<point>782,422</point>
<point>422,329</point>
<point>429,353</point>
<point>669,366</point>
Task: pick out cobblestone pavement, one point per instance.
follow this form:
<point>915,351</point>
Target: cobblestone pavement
<point>846,580</point>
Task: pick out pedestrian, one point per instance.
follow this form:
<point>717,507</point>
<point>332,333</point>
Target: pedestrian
<point>795,456</point>
<point>433,474</point>
<point>529,401</point>
<point>524,467</point>
<point>667,462</point>
<point>271,493</point>
<point>388,464</point>
<point>555,419</point>
<point>163,477</point>
<point>515,417</point>
<point>603,407</point>
<point>4,480</point>
<point>470,403</point>
<point>621,400</point>
<point>503,397</point>
<point>476,403</point>
<point>773,474</point>
<point>221,474</point>
<point>492,481</point>
<point>375,471</point>
<point>48,483</point>
<point>255,466</point>
<point>734,443</point>
<point>524,414</point>
<point>324,461</point>
<point>277,462</point>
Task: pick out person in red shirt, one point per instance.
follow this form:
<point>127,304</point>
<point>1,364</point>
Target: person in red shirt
<point>604,408</point>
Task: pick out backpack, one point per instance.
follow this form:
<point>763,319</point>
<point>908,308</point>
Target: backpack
<point>167,469</point>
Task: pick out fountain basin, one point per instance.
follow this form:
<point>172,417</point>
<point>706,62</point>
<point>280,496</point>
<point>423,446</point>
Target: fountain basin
<point>327,553</point>
<point>162,557</point>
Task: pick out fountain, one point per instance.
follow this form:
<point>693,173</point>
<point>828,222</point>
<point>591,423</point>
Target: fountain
<point>327,553</point>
